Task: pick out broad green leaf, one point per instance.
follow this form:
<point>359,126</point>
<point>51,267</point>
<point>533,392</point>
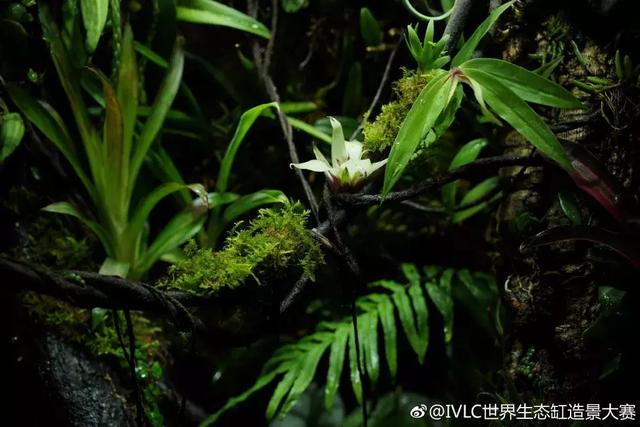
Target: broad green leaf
<point>411,273</point>
<point>246,121</point>
<point>467,49</point>
<point>112,267</point>
<point>369,28</point>
<point>468,153</point>
<point>214,13</point>
<point>336,363</point>
<point>521,116</point>
<point>94,16</point>
<point>419,121</point>
<point>387,318</point>
<point>66,208</point>
<point>473,195</point>
<point>11,133</point>
<point>160,108</point>
<point>252,201</point>
<point>354,372</point>
<point>527,85</point>
<point>368,335</point>
<point>307,372</point>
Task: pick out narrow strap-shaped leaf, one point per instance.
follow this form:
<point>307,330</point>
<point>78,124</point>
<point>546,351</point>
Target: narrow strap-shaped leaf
<point>49,122</point>
<point>178,230</point>
<point>143,210</point>
<point>246,121</point>
<point>252,201</point>
<point>411,272</point>
<point>94,16</point>
<point>214,13</point>
<point>307,372</point>
<point>368,330</point>
<point>475,194</point>
<point>440,294</point>
<point>421,118</point>
<point>405,312</point>
<point>354,372</point>
<point>467,49</point>
<point>527,85</point>
<point>160,108</point>
<point>387,318</point>
<point>264,380</point>
<point>468,153</point>
<point>422,319</point>
<point>127,92</point>
<point>521,116</point>
<point>336,363</point>
<point>282,390</point>
<point>66,208</point>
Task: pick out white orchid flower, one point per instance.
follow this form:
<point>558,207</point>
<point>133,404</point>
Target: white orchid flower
<point>347,169</point>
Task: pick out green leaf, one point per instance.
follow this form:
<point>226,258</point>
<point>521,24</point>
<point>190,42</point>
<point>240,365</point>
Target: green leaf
<point>473,195</point>
<point>11,133</point>
<point>127,93</point>
<point>403,303</point>
<point>49,122</point>
<point>521,116</point>
<point>387,318</point>
<point>112,267</point>
<point>368,335</point>
<point>310,129</point>
<point>252,201</point>
<point>178,230</point>
<point>419,121</point>
<point>336,363</point>
<point>214,13</point>
<point>281,391</point>
<point>440,294</point>
<point>160,108</point>
<point>246,121</point>
<point>307,372</point>
<point>354,373</point>
<point>468,153</point>
<point>570,207</point>
<point>94,16</point>
<point>143,210</point>
<point>422,319</point>
<point>467,49</point>
<point>370,28</point>
<point>292,6</point>
<point>66,208</point>
<point>527,85</point>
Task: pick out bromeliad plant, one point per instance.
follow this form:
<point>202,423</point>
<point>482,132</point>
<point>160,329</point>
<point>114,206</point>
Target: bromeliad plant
<point>499,87</point>
<point>347,169</point>
<point>114,154</point>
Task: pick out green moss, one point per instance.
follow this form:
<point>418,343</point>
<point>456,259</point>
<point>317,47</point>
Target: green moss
<point>272,242</point>
<point>380,134</point>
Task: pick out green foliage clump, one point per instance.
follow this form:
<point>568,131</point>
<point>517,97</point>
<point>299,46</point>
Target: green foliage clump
<point>273,241</point>
<point>380,134</point>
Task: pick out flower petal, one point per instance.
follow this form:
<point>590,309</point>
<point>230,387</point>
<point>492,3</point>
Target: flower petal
<point>313,165</point>
<point>377,165</point>
<point>354,150</point>
<point>338,146</point>
<point>319,154</point>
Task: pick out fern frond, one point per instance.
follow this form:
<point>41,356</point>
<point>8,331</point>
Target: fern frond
<point>296,363</point>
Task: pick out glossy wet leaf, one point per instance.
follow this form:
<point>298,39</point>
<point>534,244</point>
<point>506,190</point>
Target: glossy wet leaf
<point>369,28</point>
<point>475,194</point>
<point>529,86</point>
<point>94,17</point>
<point>419,121</point>
<point>468,153</point>
<point>215,13</point>
<point>512,109</point>
<point>336,364</point>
